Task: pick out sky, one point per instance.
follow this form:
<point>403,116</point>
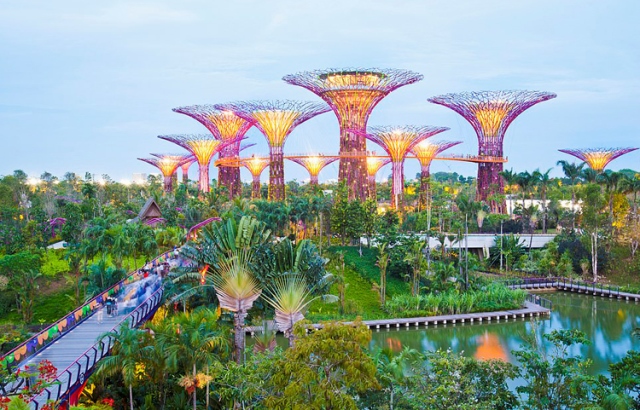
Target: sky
<point>88,86</point>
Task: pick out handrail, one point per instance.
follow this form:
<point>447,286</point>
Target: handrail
<point>570,283</point>
<point>81,368</point>
<point>44,338</point>
<point>540,301</point>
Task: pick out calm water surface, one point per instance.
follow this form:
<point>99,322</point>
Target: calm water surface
<point>607,323</point>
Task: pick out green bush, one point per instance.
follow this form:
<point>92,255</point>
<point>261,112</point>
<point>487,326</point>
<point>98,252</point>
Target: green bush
<point>492,298</point>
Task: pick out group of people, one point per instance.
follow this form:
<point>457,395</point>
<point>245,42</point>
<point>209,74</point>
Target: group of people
<point>111,305</point>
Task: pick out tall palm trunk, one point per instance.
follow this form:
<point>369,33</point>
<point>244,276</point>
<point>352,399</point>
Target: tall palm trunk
<point>238,327</point>
<point>131,396</point>
<point>195,387</point>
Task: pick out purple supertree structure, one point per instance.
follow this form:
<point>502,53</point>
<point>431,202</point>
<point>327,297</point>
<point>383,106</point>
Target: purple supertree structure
<point>398,141</point>
<point>425,151</point>
<point>185,169</point>
<point>313,164</point>
<point>203,147</point>
<point>374,163</point>
<point>490,113</point>
<point>255,165</point>
<point>597,158</point>
<point>276,120</point>
<point>167,164</point>
<point>225,126</point>
<point>352,93</point>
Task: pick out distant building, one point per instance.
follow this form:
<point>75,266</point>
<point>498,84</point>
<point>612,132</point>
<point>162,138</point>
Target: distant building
<point>139,178</point>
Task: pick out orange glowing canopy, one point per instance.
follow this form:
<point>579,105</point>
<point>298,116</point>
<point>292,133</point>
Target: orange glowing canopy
<point>255,165</point>
<point>375,163</point>
<point>313,163</point>
<point>426,150</point>
<point>598,158</point>
<point>167,163</point>
<point>202,146</point>
<point>398,141</point>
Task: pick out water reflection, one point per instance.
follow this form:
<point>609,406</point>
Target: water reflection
<point>608,324</point>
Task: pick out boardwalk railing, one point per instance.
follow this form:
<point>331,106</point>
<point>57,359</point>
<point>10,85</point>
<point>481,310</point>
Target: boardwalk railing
<point>563,283</point>
<point>55,331</point>
<point>540,301</point>
<point>76,374</point>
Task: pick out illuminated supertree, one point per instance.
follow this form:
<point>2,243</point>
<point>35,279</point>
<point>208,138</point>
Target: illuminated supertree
<point>225,126</point>
<point>255,165</point>
<point>185,169</point>
<point>203,147</point>
<point>167,164</point>
<point>597,158</point>
<point>313,164</point>
<point>490,113</point>
<point>398,141</point>
<point>374,163</point>
<point>352,93</point>
<point>425,151</point>
<point>276,120</point>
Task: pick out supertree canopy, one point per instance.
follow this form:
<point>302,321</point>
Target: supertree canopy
<point>374,163</point>
<point>255,165</point>
<point>352,93</point>
<point>313,164</point>
<point>203,147</point>
<point>597,158</point>
<point>425,151</point>
<point>167,164</point>
<point>490,113</point>
<point>225,126</point>
<point>398,141</point>
<point>276,120</point>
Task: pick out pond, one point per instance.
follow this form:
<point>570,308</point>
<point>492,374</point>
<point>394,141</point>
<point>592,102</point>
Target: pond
<point>608,323</point>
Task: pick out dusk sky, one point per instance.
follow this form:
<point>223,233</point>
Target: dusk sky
<point>88,86</point>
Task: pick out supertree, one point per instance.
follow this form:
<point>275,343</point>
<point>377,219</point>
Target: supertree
<point>352,93</point>
<point>597,158</point>
<point>374,163</point>
<point>398,141</point>
<point>203,147</point>
<point>255,165</point>
<point>185,170</point>
<point>225,126</point>
<point>276,120</point>
<point>167,164</point>
<point>425,151</point>
<point>490,113</point>
<point>313,164</point>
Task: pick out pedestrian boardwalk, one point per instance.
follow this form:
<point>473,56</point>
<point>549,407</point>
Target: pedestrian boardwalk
<point>576,287</point>
<point>530,310</point>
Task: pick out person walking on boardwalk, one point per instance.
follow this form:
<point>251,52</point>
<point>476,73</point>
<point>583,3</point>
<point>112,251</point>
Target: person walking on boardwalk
<point>100,314</point>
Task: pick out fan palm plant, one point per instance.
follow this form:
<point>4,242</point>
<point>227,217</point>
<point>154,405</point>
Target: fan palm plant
<point>236,289</point>
<point>289,296</point>
<point>128,351</point>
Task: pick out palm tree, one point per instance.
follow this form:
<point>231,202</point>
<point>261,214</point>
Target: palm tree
<point>525,181</point>
<point>612,181</point>
<point>510,179</point>
<point>543,181</point>
<point>290,296</point>
<point>573,172</point>
<point>194,338</point>
<point>236,289</point>
<point>127,352</point>
<point>382,262</point>
<point>631,185</point>
<point>590,175</point>
<point>415,258</point>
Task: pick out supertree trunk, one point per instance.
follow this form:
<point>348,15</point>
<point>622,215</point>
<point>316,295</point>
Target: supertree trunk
<point>276,174</point>
<point>255,187</point>
<point>424,198</point>
<point>203,177</point>
<point>397,187</point>
<point>313,180</point>
<point>490,185</point>
<point>353,170</point>
<point>168,183</point>
<point>373,194</point>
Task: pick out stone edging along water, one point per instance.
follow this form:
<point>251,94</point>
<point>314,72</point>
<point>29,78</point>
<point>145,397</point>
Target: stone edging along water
<point>530,310</point>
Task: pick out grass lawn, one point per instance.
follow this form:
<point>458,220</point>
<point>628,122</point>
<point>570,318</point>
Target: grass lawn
<point>361,299</point>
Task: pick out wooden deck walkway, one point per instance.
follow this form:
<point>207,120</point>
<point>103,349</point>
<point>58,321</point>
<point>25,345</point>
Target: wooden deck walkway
<point>530,310</point>
<point>578,288</point>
